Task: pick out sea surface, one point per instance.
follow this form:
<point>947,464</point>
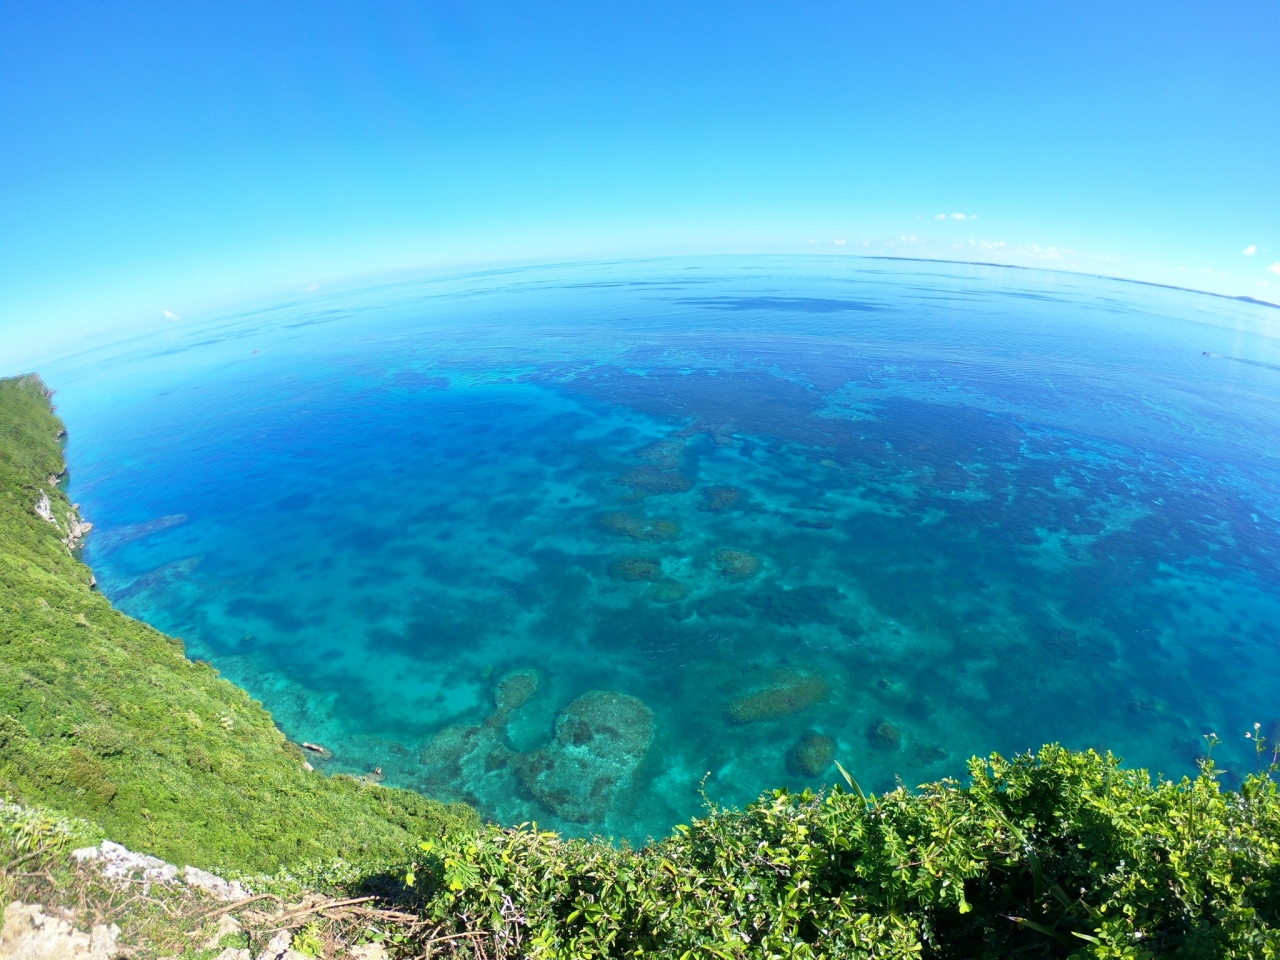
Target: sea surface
<point>592,545</point>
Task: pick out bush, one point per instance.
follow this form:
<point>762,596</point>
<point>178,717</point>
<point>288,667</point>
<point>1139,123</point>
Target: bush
<point>1053,854</point>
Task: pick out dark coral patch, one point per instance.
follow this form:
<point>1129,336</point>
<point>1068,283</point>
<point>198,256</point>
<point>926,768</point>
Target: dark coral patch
<point>632,569</point>
<point>737,564</point>
<point>788,696</point>
<point>720,499</point>
<point>651,479</point>
<point>638,528</point>
<point>811,755</point>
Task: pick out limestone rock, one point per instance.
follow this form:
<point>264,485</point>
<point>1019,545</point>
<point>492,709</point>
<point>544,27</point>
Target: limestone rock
<point>31,934</point>
<point>120,863</point>
<point>44,510</point>
<point>225,927</point>
<point>368,951</point>
<point>279,947</point>
<point>219,888</point>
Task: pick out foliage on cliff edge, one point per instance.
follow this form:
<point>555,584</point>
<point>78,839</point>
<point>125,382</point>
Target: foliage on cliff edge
<point>105,718</point>
<point>1059,854</point>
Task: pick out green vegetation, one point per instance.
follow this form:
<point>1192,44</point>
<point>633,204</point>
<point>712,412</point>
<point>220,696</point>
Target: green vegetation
<point>1057,854</point>
<point>1051,855</point>
<point>106,719</point>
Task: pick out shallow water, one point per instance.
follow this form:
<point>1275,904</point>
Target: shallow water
<point>889,512</point>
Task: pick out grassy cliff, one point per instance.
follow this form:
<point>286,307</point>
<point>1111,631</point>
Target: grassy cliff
<point>105,718</point>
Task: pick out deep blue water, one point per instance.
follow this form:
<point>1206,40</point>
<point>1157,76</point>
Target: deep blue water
<point>919,510</point>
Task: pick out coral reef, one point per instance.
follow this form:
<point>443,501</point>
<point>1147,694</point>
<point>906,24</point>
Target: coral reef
<point>454,755</point>
<point>636,568</point>
<point>725,604</point>
<point>886,736</point>
<point>803,604</point>
<point>600,740</point>
<point>737,564</point>
<point>719,499</point>
<point>790,695</point>
<point>811,755</point>
<point>638,528</point>
<point>923,755</point>
<point>664,454</point>
<point>722,434</point>
<point>667,590</point>
<point>513,690</point>
<point>651,479</point>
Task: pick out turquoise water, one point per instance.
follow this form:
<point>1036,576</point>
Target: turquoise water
<point>563,542</point>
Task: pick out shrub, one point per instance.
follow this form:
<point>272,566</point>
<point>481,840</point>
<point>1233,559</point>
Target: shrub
<point>1053,854</point>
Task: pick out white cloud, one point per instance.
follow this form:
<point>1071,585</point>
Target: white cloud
<point>839,243</point>
<point>1250,250</point>
<point>314,286</point>
<point>941,216</point>
<point>957,216</point>
<point>169,314</point>
<point>1274,268</point>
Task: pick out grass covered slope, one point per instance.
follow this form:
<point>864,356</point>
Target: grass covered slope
<point>105,718</point>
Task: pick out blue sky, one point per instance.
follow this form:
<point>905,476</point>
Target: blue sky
<point>181,157</point>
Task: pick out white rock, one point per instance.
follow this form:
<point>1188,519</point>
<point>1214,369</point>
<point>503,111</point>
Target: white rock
<point>44,510</point>
<point>278,946</point>
<point>226,926</point>
<point>231,953</point>
<point>210,883</point>
<point>368,951</point>
<point>85,853</point>
<point>30,934</point>
<point>120,864</point>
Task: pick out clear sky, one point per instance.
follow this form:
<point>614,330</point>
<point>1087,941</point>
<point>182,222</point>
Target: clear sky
<point>183,156</point>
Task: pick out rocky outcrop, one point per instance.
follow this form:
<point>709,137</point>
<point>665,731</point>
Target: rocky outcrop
<point>77,528</point>
<point>31,934</point>
<point>44,510</point>
<point>280,948</point>
<point>119,863</point>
